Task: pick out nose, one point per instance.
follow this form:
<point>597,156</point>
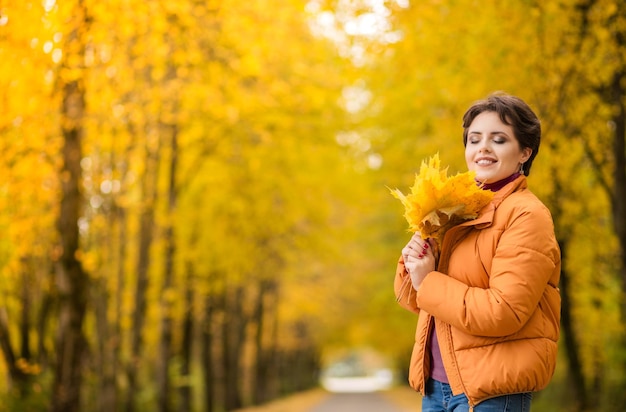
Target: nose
<point>484,146</point>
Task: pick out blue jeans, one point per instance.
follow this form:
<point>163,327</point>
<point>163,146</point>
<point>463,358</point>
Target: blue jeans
<point>439,398</point>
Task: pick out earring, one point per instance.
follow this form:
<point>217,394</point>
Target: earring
<point>521,168</point>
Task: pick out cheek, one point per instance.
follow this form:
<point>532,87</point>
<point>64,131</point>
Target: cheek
<point>468,159</point>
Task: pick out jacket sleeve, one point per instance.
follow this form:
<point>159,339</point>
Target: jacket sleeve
<point>525,260</point>
<point>404,292</point>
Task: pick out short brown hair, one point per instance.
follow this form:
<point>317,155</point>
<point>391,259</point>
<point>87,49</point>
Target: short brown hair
<point>514,112</point>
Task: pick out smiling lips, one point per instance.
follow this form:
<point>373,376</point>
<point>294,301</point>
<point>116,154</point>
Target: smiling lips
<point>483,161</point>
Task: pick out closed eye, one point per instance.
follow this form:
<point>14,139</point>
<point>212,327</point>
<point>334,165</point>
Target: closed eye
<point>473,139</point>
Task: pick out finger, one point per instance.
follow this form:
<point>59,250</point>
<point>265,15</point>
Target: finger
<point>426,250</point>
<point>417,237</point>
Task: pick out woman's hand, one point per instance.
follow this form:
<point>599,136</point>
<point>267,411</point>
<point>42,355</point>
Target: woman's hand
<point>419,259</point>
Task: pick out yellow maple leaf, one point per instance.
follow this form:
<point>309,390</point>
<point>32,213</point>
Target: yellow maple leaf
<point>437,202</point>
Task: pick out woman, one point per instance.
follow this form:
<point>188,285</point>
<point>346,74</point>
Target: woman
<point>487,297</point>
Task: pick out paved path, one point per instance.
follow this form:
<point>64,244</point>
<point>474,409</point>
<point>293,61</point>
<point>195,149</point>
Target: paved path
<point>355,402</point>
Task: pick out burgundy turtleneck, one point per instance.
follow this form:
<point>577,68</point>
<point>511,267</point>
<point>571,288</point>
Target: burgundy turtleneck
<point>494,187</point>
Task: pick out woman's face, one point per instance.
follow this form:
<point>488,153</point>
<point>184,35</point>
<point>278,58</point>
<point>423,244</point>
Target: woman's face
<point>492,150</point>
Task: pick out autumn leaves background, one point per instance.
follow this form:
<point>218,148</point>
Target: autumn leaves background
<point>231,163</point>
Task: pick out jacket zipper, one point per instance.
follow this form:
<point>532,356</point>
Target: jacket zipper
<point>429,326</point>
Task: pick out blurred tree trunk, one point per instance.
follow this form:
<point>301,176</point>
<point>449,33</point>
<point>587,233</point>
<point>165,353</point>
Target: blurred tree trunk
<point>105,328</point>
<point>26,312</point>
<point>106,399</point>
<point>111,393</point>
<point>120,272</point>
<point>571,341</point>
<point>208,360</point>
<point>106,337</point>
<point>618,196</point>
<point>618,199</point>
<point>72,280</point>
<point>21,379</point>
<point>186,400</point>
<point>264,379</point>
<point>165,345</point>
<point>261,370</point>
<point>45,311</point>
<point>233,338</point>
<point>146,226</point>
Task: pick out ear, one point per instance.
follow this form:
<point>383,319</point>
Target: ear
<point>526,152</point>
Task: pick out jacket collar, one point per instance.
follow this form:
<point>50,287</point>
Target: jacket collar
<point>485,216</point>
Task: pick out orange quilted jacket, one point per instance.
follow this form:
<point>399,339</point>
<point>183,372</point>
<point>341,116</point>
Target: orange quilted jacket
<point>494,300</point>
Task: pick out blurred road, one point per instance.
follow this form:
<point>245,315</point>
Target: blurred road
<point>356,402</point>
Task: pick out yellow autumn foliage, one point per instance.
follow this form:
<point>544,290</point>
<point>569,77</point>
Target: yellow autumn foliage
<point>438,201</point>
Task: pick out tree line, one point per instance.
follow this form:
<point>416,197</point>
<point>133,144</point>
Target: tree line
<point>195,207</point>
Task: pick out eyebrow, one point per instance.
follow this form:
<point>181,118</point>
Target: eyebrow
<point>492,133</point>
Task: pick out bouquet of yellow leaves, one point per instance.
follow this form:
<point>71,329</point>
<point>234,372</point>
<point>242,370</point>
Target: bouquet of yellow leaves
<point>438,202</point>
